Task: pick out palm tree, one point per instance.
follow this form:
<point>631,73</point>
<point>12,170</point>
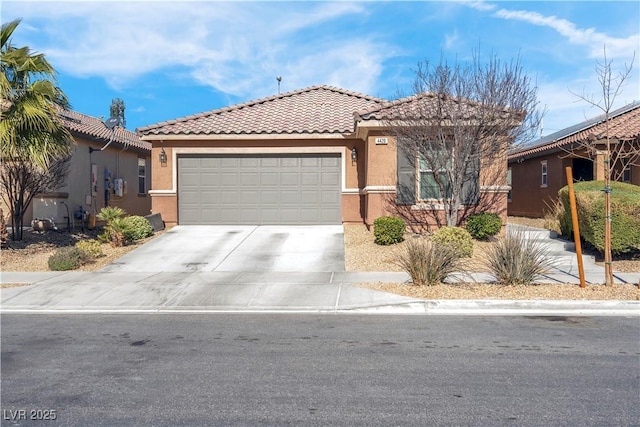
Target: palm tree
<point>29,105</point>
<point>33,137</point>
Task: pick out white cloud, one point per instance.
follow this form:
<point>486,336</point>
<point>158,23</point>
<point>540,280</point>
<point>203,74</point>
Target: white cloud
<point>594,40</point>
<point>479,5</point>
<point>450,40</point>
<point>231,47</point>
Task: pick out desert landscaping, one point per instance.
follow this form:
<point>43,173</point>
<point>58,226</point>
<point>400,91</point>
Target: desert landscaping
<point>361,254</point>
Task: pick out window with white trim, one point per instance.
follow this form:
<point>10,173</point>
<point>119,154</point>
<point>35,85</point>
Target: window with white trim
<point>142,176</point>
<point>626,174</point>
<point>428,185</point>
<point>543,173</point>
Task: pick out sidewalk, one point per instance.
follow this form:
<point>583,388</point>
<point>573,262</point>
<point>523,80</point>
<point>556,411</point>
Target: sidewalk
<point>256,292</point>
<point>312,292</point>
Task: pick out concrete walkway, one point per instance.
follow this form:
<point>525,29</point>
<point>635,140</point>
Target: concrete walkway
<point>318,292</point>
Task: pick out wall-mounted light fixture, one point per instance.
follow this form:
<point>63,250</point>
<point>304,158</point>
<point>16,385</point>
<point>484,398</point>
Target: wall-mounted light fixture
<point>354,155</point>
<point>163,157</point>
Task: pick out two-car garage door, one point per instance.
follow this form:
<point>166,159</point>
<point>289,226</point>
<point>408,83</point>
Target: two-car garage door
<point>259,189</point>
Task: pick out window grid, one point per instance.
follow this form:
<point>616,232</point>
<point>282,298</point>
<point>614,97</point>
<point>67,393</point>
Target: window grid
<point>428,187</point>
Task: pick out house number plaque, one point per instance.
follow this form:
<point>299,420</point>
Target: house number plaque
<point>382,141</point>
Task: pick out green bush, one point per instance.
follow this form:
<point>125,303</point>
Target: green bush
<point>110,213</point>
<point>457,238</point>
<point>67,258</point>
<point>590,205</point>
<point>138,228</point>
<point>119,232</point>
<point>483,225</point>
<point>428,263</point>
<point>516,260</point>
<point>93,248</point>
<point>388,230</point>
<point>104,237</point>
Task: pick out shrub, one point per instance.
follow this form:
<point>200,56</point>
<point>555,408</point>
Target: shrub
<point>93,248</point>
<point>516,260</point>
<point>110,213</point>
<point>388,230</point>
<point>67,258</point>
<point>139,228</point>
<point>119,231</point>
<point>483,225</point>
<point>4,235</point>
<point>104,237</point>
<point>625,215</point>
<point>554,216</point>
<point>428,263</point>
<point>457,238</point>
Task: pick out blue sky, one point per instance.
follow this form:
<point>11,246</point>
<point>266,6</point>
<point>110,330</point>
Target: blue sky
<point>170,59</point>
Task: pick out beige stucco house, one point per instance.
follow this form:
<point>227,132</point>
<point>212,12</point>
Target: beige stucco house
<point>106,168</point>
<point>319,155</point>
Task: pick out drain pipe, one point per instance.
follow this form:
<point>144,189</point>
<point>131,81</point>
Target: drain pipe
<point>67,217</point>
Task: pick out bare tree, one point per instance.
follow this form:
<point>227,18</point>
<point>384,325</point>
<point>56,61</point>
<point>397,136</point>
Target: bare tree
<point>624,154</point>
<point>461,119</point>
<point>21,180</point>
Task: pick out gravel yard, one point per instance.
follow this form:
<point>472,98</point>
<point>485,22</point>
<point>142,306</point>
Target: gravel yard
<point>362,254</point>
<point>33,252</point>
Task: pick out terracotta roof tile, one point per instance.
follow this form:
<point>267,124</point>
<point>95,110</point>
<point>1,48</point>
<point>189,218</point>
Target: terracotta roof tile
<point>93,128</point>
<point>316,109</point>
<point>420,106</point>
<point>624,125</point>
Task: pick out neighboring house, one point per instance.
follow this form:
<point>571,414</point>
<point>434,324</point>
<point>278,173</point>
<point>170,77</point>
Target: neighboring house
<point>538,170</point>
<point>117,175</point>
<point>319,155</point>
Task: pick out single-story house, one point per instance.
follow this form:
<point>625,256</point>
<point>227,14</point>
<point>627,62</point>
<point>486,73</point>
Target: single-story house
<point>319,155</point>
<point>106,168</point>
<point>537,171</point>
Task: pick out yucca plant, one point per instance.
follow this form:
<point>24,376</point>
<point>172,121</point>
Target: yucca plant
<point>428,263</point>
<point>516,260</point>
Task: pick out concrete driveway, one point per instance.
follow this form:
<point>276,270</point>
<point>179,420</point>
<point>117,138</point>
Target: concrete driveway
<point>239,249</point>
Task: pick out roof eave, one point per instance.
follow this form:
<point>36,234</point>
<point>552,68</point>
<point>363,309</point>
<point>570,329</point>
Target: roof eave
<point>248,136</point>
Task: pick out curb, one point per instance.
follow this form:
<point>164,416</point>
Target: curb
<point>418,307</point>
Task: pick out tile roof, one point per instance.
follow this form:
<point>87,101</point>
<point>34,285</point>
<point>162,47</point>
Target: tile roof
<point>93,128</point>
<point>624,125</point>
<point>316,110</point>
<point>420,106</point>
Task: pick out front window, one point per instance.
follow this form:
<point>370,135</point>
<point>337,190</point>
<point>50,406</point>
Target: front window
<point>543,182</point>
<point>142,176</point>
<point>626,174</point>
<point>429,188</point>
<point>509,184</point>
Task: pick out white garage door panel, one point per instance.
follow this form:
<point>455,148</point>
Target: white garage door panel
<point>259,189</point>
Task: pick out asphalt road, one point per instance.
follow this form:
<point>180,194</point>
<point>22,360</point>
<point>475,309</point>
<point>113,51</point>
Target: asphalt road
<point>342,370</point>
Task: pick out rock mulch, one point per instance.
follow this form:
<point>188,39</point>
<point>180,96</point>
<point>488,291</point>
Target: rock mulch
<point>362,254</point>
<point>33,251</point>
